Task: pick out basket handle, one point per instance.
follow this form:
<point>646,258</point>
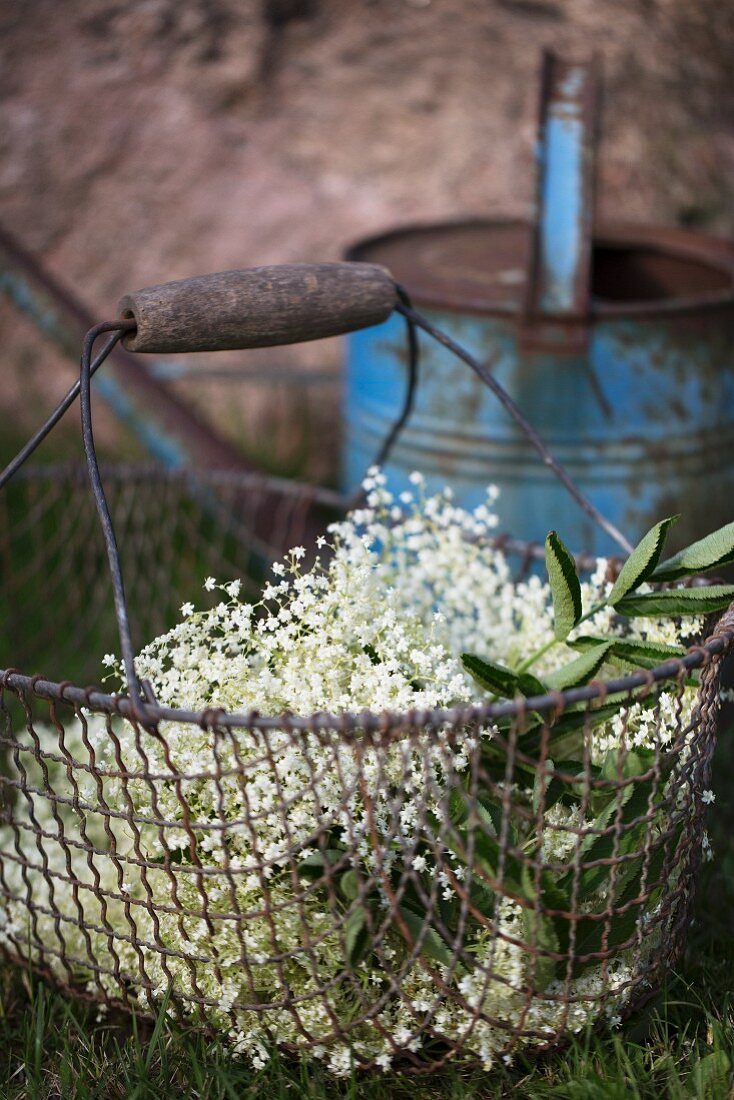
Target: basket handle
<point>259,307</point>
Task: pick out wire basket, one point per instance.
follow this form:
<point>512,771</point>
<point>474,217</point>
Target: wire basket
<point>249,895</point>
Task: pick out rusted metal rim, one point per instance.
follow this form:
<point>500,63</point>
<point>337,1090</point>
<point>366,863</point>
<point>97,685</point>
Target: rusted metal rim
<point>679,245</point>
<point>384,723</point>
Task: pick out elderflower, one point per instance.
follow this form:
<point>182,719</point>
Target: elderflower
<point>380,625</point>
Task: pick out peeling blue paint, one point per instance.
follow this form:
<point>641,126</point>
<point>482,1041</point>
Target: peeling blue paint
<point>668,445</point>
<point>562,206</point>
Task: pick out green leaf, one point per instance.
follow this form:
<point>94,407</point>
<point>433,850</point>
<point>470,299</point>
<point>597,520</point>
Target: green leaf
<point>530,685</point>
<point>313,866</point>
<point>618,764</point>
<point>710,1075</point>
<point>565,587</point>
<point>349,884</point>
<point>500,680</point>
<point>642,561</point>
<point>580,670</point>
<point>716,549</point>
<point>540,932</point>
<point>495,678</point>
<point>487,811</point>
<point>589,932</point>
<point>432,946</point>
<point>486,861</point>
<point>356,935</point>
<point>550,933</point>
<point>678,601</point>
<point>629,878</point>
<point>564,736</point>
<point>589,935</point>
<point>458,810</point>
<point>635,802</point>
<point>561,789</point>
<point>632,652</point>
<point>490,812</point>
<point>482,897</point>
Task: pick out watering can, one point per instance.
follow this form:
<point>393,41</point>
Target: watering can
<point>616,341</point>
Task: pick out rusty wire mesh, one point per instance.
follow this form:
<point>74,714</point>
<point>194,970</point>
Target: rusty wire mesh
<point>376,888</point>
<point>174,527</point>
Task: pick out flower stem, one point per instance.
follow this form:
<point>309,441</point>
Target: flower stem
<point>536,656</point>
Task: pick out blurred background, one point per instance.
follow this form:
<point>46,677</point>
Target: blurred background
<point>150,140</point>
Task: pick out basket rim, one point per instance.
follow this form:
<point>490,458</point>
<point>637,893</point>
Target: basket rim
<point>376,722</point>
<point>365,721</point>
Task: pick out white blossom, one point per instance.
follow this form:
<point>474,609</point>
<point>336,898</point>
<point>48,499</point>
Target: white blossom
<point>381,626</point>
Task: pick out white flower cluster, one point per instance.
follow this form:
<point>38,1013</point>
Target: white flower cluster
<point>195,861</point>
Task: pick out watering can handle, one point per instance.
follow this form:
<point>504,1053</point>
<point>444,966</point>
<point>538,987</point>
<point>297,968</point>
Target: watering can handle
<point>258,307</point>
<point>556,308</point>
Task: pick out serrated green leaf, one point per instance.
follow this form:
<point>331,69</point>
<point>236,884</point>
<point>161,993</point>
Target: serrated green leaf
<point>580,670</point>
<point>678,601</point>
<point>481,809</point>
<point>632,655</point>
<point>530,685</point>
<point>432,946</point>
<point>495,678</point>
<point>553,894</point>
<point>621,926</point>
<point>630,803</point>
<point>629,878</point>
<point>570,725</point>
<point>491,815</point>
<point>562,789</point>
<point>458,809</point>
<point>715,550</point>
<point>356,935</point>
<point>539,929</point>
<point>482,897</point>
<point>642,561</point>
<point>620,764</point>
<point>500,680</point>
<point>630,651</point>
<point>565,586</point>
<point>487,853</point>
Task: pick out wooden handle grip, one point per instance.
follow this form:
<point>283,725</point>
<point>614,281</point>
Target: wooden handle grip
<point>259,307</point>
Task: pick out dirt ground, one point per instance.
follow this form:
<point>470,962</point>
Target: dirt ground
<point>152,139</point>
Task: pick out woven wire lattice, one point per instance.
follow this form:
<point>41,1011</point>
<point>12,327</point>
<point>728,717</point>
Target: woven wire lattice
<point>174,528</point>
<point>375,888</point>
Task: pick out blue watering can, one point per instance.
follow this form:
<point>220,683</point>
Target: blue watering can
<point>616,341</point>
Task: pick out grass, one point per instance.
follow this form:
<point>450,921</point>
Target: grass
<point>679,1047</point>
<point>683,1047</point>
